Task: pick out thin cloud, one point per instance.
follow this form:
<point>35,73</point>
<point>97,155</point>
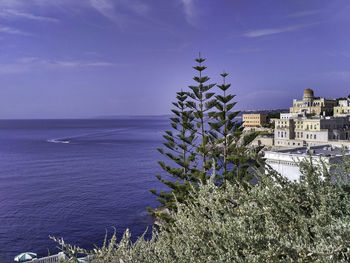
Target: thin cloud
<point>273,31</point>
<point>13,14</point>
<point>30,64</point>
<point>305,13</point>
<point>136,7</point>
<point>75,64</point>
<point>189,10</point>
<point>120,11</point>
<point>104,7</point>
<point>24,4</point>
<point>100,64</point>
<point>13,31</point>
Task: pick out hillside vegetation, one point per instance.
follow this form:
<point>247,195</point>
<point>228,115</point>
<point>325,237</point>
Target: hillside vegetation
<point>275,221</point>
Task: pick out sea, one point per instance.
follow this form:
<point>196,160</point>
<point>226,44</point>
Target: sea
<point>76,180</point>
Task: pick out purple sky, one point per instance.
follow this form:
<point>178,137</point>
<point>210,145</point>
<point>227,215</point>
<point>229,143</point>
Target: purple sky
<point>86,58</point>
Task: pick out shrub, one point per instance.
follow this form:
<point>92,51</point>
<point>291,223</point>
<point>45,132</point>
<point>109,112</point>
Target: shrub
<point>275,221</point>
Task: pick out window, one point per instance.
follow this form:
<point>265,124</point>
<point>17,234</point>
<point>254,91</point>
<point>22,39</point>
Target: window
<point>307,136</point>
<point>315,136</point>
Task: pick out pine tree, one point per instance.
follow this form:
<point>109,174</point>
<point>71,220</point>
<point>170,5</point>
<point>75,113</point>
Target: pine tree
<point>231,152</point>
<point>223,129</point>
<point>180,148</point>
<point>200,136</point>
<point>202,103</point>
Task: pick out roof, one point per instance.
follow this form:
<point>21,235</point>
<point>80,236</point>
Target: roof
<point>321,150</point>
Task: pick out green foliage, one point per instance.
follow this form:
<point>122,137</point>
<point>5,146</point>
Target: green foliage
<point>273,115</point>
<point>309,115</point>
<point>223,128</point>
<point>275,221</point>
<point>180,146</point>
<point>202,103</point>
<point>204,130</point>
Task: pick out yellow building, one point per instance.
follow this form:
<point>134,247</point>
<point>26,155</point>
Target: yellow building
<point>254,120</point>
<point>311,129</point>
<point>343,108</point>
<point>313,105</point>
<point>303,131</point>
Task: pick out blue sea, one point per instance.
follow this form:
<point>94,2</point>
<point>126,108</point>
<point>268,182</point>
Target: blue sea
<point>76,179</point>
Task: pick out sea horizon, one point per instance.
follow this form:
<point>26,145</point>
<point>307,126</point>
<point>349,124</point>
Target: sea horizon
<point>108,117</point>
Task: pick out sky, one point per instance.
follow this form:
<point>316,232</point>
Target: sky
<point>91,58</point>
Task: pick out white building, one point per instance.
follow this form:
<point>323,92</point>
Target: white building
<point>288,115</point>
<point>286,162</point>
<point>343,108</point>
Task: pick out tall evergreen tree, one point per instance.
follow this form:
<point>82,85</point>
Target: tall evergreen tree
<point>204,130</point>
<point>231,151</point>
<point>223,128</point>
<point>179,148</point>
<point>202,103</point>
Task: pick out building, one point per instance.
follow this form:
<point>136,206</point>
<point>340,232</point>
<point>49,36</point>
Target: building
<point>297,128</point>
<point>254,120</point>
<point>288,115</point>
<point>313,105</point>
<point>343,108</point>
<point>286,162</point>
<point>318,130</point>
<point>284,129</point>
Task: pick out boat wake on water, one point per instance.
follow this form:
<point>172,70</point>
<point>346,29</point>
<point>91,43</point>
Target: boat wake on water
<point>58,141</point>
<point>85,136</point>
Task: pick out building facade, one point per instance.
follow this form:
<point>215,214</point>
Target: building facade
<point>284,129</point>
<point>286,162</point>
<point>254,120</point>
<point>343,108</point>
<point>313,105</point>
<point>303,131</point>
<point>284,116</point>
